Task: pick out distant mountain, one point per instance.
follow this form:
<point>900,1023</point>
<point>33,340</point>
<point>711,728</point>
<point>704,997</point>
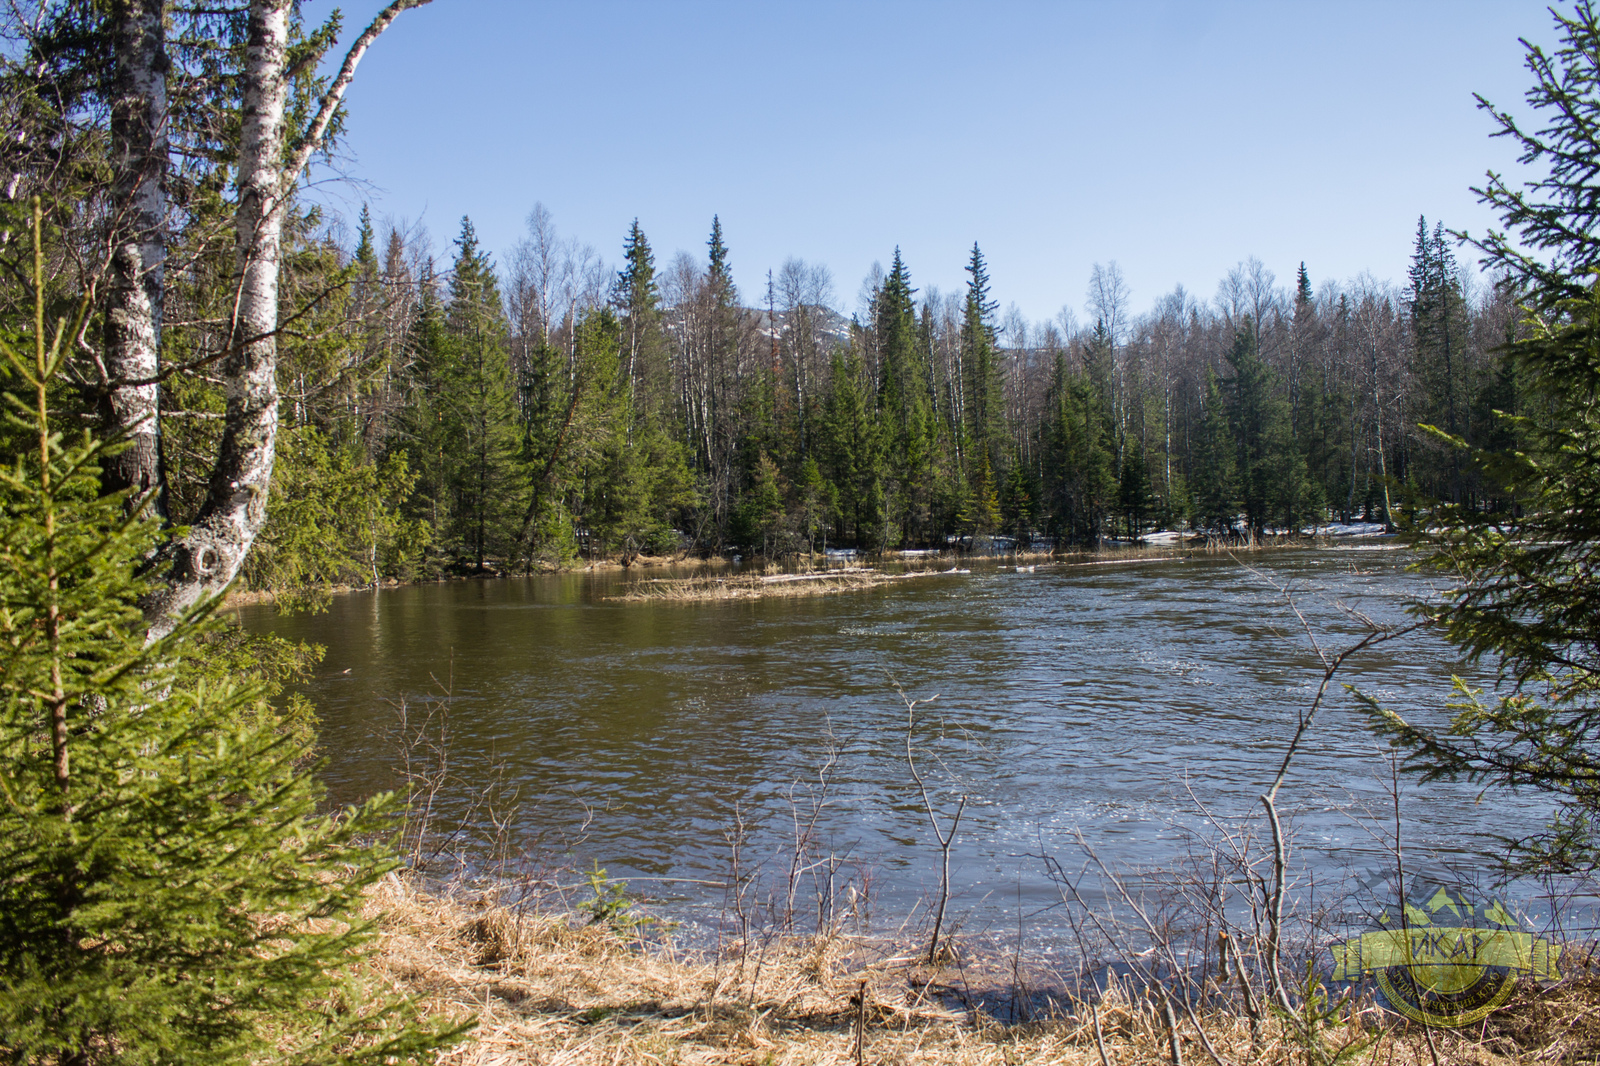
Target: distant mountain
<point>830,326</point>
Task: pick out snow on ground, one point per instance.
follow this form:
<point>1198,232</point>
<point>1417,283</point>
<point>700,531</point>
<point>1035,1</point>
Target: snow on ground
<point>1352,529</point>
<point>1323,529</point>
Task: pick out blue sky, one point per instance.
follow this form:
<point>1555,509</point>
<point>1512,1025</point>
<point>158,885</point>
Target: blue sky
<point>1174,138</point>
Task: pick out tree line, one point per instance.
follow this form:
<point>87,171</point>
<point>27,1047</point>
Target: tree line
<point>421,412</point>
<point>527,414</point>
<point>200,376</point>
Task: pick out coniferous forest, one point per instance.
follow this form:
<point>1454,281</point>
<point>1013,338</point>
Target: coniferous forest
<point>465,414</point>
<point>445,409</point>
<point>209,375</point>
<point>552,407</point>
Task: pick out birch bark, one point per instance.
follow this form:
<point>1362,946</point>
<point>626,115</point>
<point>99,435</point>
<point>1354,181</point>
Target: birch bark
<point>136,279</point>
<point>208,556</point>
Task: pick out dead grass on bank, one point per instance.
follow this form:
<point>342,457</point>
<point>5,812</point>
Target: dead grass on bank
<point>546,990</point>
<point>1107,554</point>
<point>1555,1025</point>
<point>758,586</point>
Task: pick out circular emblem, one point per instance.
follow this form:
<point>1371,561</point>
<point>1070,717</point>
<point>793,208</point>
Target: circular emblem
<point>1446,959</point>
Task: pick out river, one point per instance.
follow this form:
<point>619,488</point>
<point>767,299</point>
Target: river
<point>1090,705</point>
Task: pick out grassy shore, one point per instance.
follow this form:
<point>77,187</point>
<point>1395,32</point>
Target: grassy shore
<point>756,586</point>
<point>545,989</point>
<point>742,585</point>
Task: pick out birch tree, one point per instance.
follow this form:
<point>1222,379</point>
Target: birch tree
<point>135,283</point>
<point>272,157</point>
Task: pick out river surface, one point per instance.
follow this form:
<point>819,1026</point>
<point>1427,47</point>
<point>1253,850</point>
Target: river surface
<point>1090,706</point>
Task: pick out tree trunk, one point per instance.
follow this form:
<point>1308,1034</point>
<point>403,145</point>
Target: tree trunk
<point>210,553</point>
<point>130,400</point>
<point>208,557</point>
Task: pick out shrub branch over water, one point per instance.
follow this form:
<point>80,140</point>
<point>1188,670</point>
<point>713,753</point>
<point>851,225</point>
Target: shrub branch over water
<point>1525,593</point>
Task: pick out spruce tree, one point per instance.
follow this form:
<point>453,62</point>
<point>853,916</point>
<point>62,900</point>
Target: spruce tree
<point>979,513</point>
<point>169,892</point>
<point>366,255</point>
<point>717,256</point>
<point>759,520</point>
<point>1260,421</point>
<point>817,501</point>
<point>1018,509</point>
<point>608,475</point>
<point>981,364</point>
<point>637,298</point>
<point>479,408</point>
<point>852,450</point>
<point>1216,491</point>
<point>1084,479</point>
<point>722,371</point>
<point>1133,490</point>
<point>903,400</point>
<point>1524,594</point>
<point>1439,329</point>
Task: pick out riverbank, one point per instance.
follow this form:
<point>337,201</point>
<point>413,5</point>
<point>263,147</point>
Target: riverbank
<point>249,597</point>
<point>845,571</point>
<point>545,989</point>
<point>770,586</point>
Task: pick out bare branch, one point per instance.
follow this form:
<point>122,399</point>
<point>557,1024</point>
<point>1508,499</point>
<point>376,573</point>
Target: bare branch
<point>309,141</point>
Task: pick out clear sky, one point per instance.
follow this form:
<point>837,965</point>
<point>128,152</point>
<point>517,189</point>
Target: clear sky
<point>1175,138</point>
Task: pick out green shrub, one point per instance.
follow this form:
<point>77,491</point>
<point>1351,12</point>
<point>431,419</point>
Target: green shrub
<point>168,890</point>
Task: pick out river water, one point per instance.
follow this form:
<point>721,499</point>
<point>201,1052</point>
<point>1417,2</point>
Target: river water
<point>1095,705</point>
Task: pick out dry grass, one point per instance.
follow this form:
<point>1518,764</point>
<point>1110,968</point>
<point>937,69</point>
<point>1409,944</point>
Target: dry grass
<point>1558,1025</point>
<point>546,990</point>
<point>768,586</point>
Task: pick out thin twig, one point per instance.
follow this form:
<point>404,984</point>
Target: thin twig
<point>1099,1037</point>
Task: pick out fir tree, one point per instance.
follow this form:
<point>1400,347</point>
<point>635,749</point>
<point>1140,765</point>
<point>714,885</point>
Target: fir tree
<point>903,400</point>
<point>479,408</point>
<point>1524,594</point>
<point>981,363</point>
<point>168,891</point>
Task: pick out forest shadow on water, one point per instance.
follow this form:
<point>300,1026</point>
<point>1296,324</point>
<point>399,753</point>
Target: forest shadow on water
<point>1098,727</point>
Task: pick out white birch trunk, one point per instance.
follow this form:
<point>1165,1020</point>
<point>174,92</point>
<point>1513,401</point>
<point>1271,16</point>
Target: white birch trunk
<point>209,555</point>
<point>136,280</point>
<point>235,508</point>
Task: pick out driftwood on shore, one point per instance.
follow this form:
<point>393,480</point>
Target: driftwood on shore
<point>766,586</point>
